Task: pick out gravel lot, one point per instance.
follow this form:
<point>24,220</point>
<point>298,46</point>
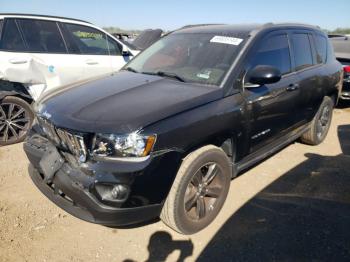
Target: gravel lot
<point>294,206</point>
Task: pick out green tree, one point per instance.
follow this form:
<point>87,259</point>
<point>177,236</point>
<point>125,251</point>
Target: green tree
<point>342,31</point>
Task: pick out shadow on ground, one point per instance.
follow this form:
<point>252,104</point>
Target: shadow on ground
<point>303,216</point>
<point>161,245</point>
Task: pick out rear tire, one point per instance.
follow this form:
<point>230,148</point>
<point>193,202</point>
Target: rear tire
<point>320,123</point>
<point>16,118</point>
<point>199,190</point>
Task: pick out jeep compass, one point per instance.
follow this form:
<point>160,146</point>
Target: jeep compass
<point>164,136</point>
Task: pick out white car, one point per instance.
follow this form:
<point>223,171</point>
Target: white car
<point>40,53</point>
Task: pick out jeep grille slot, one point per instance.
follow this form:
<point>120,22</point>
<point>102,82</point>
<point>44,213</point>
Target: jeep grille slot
<point>71,141</point>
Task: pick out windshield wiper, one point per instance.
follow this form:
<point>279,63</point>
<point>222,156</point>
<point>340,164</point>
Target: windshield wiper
<point>172,75</point>
<point>131,69</point>
<point>166,74</point>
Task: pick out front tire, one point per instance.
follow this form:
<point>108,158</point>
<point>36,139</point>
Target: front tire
<point>199,190</point>
<point>320,123</point>
<point>16,117</point>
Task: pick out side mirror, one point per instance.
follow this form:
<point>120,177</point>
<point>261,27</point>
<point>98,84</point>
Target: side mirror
<point>125,51</point>
<point>262,75</point>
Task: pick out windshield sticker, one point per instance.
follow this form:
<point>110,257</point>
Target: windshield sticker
<point>205,74</point>
<point>226,40</point>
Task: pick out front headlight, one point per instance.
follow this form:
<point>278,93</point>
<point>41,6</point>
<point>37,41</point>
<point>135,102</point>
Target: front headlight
<point>131,145</point>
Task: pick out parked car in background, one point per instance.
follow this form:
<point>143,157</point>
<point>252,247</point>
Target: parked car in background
<point>145,39</point>
<point>341,45</point>
<point>164,136</point>
<point>125,38</point>
<point>40,53</point>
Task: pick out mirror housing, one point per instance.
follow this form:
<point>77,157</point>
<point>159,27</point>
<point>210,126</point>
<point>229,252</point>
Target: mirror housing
<point>125,51</point>
<point>262,75</point>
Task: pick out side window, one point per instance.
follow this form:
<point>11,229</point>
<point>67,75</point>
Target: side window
<point>1,23</point>
<point>274,51</point>
<point>330,51</point>
<point>42,36</point>
<point>114,47</point>
<point>11,38</point>
<point>302,51</point>
<point>87,40</point>
<point>321,48</point>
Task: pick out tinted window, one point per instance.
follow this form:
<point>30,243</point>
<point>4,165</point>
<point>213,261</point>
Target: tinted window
<point>114,47</point>
<point>321,48</point>
<point>42,36</point>
<point>11,39</point>
<point>302,51</point>
<point>274,51</point>
<point>330,51</point>
<point>1,22</point>
<point>87,40</point>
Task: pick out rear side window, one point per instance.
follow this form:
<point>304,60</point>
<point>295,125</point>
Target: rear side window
<point>86,40</point>
<point>274,51</point>
<point>42,36</point>
<point>321,48</point>
<point>11,37</point>
<point>302,51</point>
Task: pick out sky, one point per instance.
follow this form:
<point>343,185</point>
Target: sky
<point>169,15</point>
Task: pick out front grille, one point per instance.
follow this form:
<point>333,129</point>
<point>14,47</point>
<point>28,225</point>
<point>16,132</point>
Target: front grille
<point>70,141</point>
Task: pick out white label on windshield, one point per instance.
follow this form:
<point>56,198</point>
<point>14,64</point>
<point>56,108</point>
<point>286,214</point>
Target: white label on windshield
<point>226,40</point>
<point>205,74</point>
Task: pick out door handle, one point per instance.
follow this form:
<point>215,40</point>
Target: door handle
<point>91,62</point>
<point>292,87</point>
<point>18,61</point>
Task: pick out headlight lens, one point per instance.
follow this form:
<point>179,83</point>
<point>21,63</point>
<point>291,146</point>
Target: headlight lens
<point>131,145</point>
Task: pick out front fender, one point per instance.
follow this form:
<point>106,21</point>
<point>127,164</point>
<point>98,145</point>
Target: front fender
<point>211,123</point>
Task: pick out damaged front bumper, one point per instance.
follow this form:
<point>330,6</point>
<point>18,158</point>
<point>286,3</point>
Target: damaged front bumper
<point>83,190</point>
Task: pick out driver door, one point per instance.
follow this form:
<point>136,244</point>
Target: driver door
<point>272,106</point>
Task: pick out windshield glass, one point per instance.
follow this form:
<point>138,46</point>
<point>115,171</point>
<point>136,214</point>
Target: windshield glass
<point>200,58</point>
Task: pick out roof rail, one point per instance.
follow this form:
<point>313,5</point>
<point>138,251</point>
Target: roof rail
<point>49,16</point>
<point>195,25</point>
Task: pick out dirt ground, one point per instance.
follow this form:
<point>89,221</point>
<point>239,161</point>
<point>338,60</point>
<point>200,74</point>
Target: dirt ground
<point>293,206</point>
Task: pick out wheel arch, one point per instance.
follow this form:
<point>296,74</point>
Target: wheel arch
<point>14,89</point>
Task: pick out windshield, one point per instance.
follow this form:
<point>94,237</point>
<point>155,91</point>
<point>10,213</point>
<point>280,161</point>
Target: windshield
<point>200,58</point>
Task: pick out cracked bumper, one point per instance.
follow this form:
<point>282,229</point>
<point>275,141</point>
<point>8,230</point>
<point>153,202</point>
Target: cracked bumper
<point>73,190</point>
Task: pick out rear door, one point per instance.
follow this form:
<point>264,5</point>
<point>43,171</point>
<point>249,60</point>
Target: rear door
<point>272,106</point>
<point>308,65</point>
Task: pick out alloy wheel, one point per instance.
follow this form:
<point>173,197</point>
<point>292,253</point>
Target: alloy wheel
<point>14,122</point>
<point>203,191</point>
<point>323,121</point>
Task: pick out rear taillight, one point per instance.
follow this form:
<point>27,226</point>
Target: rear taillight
<point>346,69</point>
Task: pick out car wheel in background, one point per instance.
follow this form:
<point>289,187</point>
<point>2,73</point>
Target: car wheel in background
<point>16,117</point>
<point>199,190</point>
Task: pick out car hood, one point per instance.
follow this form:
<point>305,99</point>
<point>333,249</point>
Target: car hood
<point>122,103</point>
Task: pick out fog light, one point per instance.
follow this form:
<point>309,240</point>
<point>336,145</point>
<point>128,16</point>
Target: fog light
<point>119,192</point>
<point>113,193</point>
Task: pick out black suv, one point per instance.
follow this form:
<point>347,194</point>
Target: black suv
<point>165,136</point>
